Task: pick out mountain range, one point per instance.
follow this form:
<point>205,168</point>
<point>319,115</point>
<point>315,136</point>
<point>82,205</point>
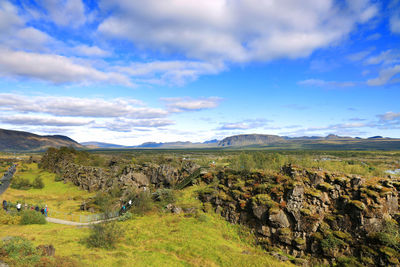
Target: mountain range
<point>23,141</point>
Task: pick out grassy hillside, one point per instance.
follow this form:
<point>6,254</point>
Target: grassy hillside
<point>24,141</point>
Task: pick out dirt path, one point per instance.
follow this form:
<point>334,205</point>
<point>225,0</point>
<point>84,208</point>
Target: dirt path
<point>59,221</point>
<point>6,179</point>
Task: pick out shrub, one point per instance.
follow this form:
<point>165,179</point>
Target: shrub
<point>32,217</point>
<point>142,203</point>
<point>104,235</point>
<point>20,251</point>
<point>6,218</point>
<point>38,183</point>
<point>126,216</point>
<point>20,183</point>
<point>104,201</point>
<point>165,196</point>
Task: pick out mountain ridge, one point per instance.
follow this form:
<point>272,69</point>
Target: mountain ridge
<point>11,140</point>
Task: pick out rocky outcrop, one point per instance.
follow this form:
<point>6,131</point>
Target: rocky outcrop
<point>313,214</point>
<point>130,176</point>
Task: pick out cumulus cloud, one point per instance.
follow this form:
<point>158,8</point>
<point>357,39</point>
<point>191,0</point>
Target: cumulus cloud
<point>179,104</point>
<point>65,12</point>
<point>54,68</point>
<point>323,83</point>
<point>9,19</point>
<point>79,107</point>
<point>42,120</point>
<point>215,29</point>
<point>176,72</point>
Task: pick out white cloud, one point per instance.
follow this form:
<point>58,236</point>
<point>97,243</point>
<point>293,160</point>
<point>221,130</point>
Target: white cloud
<point>237,31</point>
<point>385,57</point>
<point>127,125</point>
<point>65,12</point>
<point>322,83</point>
<point>394,21</point>
<point>86,50</point>
<point>9,19</point>
<point>385,76</point>
<point>79,107</point>
<point>169,72</point>
<point>43,120</point>
<point>179,104</point>
<point>389,116</point>
<point>245,125</point>
<point>53,68</point>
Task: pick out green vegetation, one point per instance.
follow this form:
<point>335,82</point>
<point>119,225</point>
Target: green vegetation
<point>105,235</point>
<point>62,199</point>
<point>20,251</point>
<point>32,217</point>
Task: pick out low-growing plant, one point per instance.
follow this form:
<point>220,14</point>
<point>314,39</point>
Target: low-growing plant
<point>20,183</point>
<point>105,235</point>
<point>20,252</point>
<point>126,216</point>
<point>32,217</point>
<point>38,183</point>
<point>7,218</point>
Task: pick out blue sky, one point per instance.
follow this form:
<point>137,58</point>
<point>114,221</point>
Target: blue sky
<point>128,72</point>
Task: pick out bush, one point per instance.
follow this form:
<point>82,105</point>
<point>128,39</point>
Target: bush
<point>142,203</point>
<point>126,216</point>
<point>38,183</point>
<point>20,251</point>
<point>6,218</point>
<point>104,235</point>
<point>32,217</point>
<point>164,196</point>
<point>20,183</point>
<point>104,201</point>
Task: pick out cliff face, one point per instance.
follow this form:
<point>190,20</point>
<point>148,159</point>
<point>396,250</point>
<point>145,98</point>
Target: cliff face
<point>323,215</point>
<point>250,139</point>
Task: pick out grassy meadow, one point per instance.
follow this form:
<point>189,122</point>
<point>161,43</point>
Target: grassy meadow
<point>64,198</point>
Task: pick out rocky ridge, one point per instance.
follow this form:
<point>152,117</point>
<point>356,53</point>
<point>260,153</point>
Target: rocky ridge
<point>311,213</point>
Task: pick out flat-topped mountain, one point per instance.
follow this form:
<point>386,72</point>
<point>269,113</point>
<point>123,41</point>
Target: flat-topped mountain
<point>250,139</point>
<point>23,141</point>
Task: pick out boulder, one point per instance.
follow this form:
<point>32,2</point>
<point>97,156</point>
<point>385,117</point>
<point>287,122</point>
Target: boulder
<point>279,220</point>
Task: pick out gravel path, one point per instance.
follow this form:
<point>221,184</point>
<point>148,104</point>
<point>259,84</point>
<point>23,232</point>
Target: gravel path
<point>6,179</point>
<point>54,220</point>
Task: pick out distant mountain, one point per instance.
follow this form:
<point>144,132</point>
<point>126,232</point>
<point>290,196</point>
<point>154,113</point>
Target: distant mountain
<point>93,144</point>
<point>250,139</point>
<point>23,141</point>
<point>214,141</point>
<point>178,144</point>
<point>375,137</point>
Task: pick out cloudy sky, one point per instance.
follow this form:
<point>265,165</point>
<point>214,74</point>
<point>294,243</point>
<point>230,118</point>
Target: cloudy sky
<point>131,71</point>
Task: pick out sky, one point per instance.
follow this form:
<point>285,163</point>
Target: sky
<point>130,71</point>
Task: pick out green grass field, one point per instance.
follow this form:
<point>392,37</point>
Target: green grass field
<point>60,197</point>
